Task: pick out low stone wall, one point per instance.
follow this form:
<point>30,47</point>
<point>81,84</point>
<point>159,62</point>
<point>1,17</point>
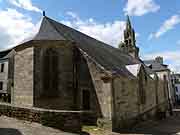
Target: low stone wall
<point>89,118</point>
<point>69,121</point>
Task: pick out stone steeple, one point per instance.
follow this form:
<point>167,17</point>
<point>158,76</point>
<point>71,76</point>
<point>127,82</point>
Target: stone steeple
<point>129,44</point>
<point>128,23</point>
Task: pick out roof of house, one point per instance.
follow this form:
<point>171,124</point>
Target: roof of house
<point>3,53</point>
<point>155,66</point>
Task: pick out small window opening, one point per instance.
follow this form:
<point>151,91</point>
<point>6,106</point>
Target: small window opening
<point>2,67</point>
<point>1,85</point>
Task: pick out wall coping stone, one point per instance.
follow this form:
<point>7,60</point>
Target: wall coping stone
<point>42,109</point>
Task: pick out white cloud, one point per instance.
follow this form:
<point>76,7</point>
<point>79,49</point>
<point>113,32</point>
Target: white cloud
<point>150,36</point>
<point>166,26</point>
<point>25,4</point>
<point>110,32</point>
<point>14,27</point>
<point>171,57</point>
<point>73,15</point>
<point>140,7</point>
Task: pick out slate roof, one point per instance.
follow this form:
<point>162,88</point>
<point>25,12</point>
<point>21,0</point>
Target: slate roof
<point>4,53</point>
<point>107,56</point>
<point>155,66</point>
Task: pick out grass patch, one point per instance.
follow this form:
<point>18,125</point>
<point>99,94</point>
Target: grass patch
<point>94,130</point>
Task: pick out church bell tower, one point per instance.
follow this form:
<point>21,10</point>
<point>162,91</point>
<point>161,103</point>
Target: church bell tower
<point>129,44</point>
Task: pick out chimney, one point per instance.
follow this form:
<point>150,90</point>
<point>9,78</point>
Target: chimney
<point>159,59</point>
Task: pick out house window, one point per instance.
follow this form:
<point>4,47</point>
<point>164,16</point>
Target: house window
<point>86,100</point>
<point>1,85</point>
<point>2,67</point>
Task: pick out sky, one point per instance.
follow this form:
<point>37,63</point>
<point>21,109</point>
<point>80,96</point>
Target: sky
<point>156,22</point>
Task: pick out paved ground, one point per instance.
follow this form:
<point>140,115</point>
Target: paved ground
<point>168,126</point>
<point>11,126</point>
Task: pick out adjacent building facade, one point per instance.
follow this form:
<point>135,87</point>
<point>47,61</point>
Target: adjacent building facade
<point>5,93</point>
<point>64,69</point>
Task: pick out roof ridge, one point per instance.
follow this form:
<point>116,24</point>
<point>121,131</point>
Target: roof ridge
<point>60,34</point>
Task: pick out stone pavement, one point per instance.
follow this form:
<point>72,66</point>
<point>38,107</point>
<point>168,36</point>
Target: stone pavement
<point>168,126</point>
<point>11,126</point>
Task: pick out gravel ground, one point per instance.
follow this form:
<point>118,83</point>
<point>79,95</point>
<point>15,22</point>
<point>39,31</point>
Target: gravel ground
<point>11,126</point>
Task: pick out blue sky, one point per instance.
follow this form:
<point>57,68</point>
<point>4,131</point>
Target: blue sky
<point>156,22</point>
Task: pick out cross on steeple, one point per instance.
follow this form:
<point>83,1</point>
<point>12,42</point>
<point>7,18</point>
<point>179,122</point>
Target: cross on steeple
<point>44,13</point>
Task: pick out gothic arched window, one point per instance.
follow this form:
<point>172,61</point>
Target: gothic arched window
<point>50,73</point>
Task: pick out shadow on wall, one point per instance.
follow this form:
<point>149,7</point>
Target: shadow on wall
<point>9,131</point>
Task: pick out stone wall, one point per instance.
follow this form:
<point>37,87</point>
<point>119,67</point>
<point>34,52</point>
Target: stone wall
<point>85,83</point>
<point>23,77</point>
<point>128,108</point>
<point>149,88</point>
<point>60,94</point>
<point>102,89</point>
<point>166,73</point>
<point>163,96</point>
<point>125,102</point>
<point>61,74</point>
<point>69,121</point>
<point>73,78</point>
